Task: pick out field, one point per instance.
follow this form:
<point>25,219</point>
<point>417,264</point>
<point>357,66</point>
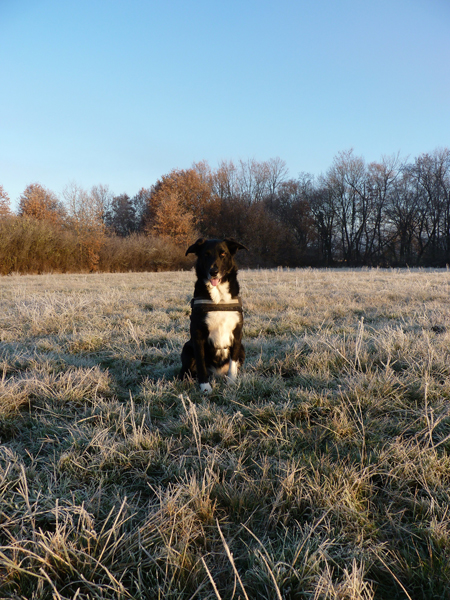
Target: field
<point>324,473</point>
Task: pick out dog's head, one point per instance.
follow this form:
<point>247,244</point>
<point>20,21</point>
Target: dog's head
<point>214,258</point>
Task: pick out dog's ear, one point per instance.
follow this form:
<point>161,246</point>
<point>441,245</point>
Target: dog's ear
<point>195,248</point>
<point>234,246</point>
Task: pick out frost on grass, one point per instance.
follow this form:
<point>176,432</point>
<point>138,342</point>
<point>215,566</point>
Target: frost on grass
<point>323,473</point>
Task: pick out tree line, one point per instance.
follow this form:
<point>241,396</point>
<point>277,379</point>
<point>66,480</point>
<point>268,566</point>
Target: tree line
<point>394,212</point>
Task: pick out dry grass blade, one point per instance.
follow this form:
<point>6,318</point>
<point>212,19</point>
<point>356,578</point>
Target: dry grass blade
<point>394,576</point>
<point>231,559</point>
<point>277,589</point>
<point>191,413</point>
<point>213,583</point>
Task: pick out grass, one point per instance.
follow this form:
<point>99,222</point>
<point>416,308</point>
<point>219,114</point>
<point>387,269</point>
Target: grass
<point>324,473</point>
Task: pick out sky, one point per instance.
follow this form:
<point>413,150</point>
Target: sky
<point>120,92</point>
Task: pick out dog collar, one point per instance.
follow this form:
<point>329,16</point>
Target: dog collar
<point>204,305</point>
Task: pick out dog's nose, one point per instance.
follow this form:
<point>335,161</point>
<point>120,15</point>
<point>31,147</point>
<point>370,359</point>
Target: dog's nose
<point>213,271</point>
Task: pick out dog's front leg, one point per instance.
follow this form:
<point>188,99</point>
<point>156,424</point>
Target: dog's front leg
<point>237,354</point>
<point>232,371</point>
<point>202,372</point>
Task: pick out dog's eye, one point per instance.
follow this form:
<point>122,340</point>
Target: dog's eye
<point>222,254</point>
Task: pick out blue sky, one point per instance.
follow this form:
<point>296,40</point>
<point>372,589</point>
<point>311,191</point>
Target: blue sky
<point>120,92</point>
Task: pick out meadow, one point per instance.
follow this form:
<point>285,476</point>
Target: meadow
<point>323,473</point>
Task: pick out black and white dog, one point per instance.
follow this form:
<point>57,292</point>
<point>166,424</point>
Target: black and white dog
<point>216,318</point>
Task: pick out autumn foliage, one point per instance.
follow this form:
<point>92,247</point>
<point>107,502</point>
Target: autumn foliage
<point>5,203</point>
<point>183,205</point>
<point>39,203</point>
<point>386,213</point>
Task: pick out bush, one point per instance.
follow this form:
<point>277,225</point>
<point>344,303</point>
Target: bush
<point>30,246</point>
<point>141,253</point>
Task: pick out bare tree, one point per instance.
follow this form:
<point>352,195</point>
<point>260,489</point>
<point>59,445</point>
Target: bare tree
<point>402,212</point>
<point>346,181</point>
<point>324,212</point>
<point>85,215</point>
<point>249,180</point>
<point>255,180</point>
<point>225,183</point>
<point>277,173</point>
<point>291,206</point>
<point>432,173</point>
<point>102,197</point>
<point>378,232</point>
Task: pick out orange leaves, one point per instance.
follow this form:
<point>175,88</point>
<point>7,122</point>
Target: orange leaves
<point>172,220</point>
<point>182,205</point>
<point>39,203</point>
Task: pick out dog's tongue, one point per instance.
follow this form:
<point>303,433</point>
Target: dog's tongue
<point>215,281</point>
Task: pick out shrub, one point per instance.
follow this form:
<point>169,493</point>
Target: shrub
<point>141,253</point>
<point>29,246</point>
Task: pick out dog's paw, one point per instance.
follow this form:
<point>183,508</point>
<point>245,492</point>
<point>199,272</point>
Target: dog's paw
<point>206,388</point>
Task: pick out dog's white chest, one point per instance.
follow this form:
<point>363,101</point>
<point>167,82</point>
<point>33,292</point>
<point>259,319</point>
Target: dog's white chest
<point>221,325</point>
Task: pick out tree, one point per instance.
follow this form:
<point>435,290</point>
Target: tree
<point>172,220</point>
<point>141,203</point>
<point>346,182</point>
<point>224,181</point>
<point>291,206</point>
<point>250,180</point>
<point>253,178</point>
<point>188,197</point>
<point>40,203</point>
<point>402,212</point>
<point>325,216</point>
<point>431,173</point>
<point>85,215</point>
<point>378,231</point>
<point>5,203</point>
<point>102,198</point>
<point>276,172</point>
<point>121,216</point>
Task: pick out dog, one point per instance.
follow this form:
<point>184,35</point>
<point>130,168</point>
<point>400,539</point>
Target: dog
<point>215,346</point>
